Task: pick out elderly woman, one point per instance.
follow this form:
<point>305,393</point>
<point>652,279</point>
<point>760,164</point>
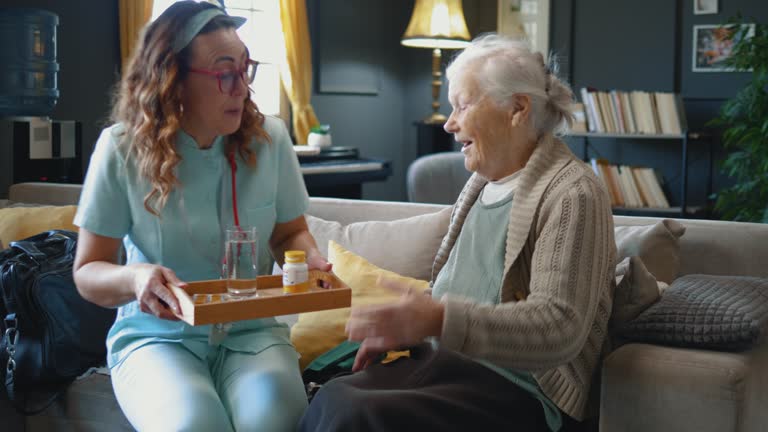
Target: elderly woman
<point>522,283</point>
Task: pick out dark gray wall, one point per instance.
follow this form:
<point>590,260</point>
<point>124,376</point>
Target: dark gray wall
<point>619,45</point>
<point>341,32</point>
<point>88,54</point>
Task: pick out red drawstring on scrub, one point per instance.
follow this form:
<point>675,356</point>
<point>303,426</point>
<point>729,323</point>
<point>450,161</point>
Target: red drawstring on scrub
<point>233,165</point>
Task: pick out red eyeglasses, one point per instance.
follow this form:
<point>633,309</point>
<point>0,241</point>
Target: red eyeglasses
<point>227,79</point>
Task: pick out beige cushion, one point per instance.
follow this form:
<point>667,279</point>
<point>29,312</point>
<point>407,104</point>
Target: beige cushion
<point>404,246</point>
<point>657,245</point>
<point>636,290</point>
<point>317,332</point>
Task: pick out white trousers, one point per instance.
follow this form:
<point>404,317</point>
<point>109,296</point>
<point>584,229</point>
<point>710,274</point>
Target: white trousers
<point>164,387</point>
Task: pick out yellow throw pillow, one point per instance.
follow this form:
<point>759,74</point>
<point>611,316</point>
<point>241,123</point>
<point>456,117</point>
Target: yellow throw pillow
<point>17,223</point>
<point>316,332</point>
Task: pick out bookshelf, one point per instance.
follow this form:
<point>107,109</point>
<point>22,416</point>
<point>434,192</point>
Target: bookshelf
<point>637,115</point>
<point>683,210</point>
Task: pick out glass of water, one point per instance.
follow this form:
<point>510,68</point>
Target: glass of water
<point>242,261</point>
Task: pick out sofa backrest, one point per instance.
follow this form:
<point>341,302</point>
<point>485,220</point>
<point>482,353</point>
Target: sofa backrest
<point>709,247</point>
<point>717,247</point>
<point>45,193</point>
<point>346,211</point>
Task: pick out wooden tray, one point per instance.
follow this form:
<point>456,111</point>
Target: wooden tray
<point>270,302</point>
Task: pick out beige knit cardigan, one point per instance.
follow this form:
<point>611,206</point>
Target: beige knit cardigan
<point>560,258</point>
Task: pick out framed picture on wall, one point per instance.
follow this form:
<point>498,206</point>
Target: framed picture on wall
<point>526,19</point>
<point>704,7</point>
<point>713,44</point>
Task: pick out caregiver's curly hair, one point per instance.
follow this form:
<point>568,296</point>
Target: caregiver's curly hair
<point>148,102</point>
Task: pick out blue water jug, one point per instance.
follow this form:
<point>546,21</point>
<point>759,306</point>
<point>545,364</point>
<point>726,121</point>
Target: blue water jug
<point>28,67</point>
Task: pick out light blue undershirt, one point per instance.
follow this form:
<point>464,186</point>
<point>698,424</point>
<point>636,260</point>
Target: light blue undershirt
<point>187,237</point>
<point>480,250</point>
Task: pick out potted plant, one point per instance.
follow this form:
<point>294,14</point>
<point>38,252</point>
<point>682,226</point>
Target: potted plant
<point>745,135</point>
<point>319,136</point>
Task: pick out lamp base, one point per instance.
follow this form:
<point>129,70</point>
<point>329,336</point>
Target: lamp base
<point>435,118</point>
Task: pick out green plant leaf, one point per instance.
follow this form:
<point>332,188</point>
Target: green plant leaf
<point>744,118</point>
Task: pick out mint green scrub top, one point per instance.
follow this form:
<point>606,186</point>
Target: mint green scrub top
<point>188,235</point>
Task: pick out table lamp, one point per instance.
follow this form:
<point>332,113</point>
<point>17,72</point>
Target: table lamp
<point>436,24</point>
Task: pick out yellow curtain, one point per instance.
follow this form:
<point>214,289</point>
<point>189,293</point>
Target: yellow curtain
<point>133,15</point>
<point>297,78</point>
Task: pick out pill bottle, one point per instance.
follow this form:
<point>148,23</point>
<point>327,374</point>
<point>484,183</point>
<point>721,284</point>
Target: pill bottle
<point>295,272</point>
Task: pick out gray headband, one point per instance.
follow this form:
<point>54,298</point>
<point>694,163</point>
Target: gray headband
<point>197,22</point>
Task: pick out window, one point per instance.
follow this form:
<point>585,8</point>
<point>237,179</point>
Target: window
<point>262,33</point>
<point>528,19</point>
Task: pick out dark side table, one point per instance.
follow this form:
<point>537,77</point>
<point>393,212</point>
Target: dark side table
<point>339,172</point>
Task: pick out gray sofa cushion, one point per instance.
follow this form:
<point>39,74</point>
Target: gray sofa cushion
<point>705,311</point>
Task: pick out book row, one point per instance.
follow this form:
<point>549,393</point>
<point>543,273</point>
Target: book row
<point>629,112</point>
<point>630,186</point>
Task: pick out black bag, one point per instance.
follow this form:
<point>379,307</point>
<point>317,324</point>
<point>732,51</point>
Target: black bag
<point>331,364</point>
<point>51,334</point>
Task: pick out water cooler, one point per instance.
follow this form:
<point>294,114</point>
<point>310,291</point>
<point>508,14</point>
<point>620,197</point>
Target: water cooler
<point>33,147</point>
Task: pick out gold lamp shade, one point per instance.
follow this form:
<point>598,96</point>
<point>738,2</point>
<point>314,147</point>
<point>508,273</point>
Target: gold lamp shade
<point>436,24</point>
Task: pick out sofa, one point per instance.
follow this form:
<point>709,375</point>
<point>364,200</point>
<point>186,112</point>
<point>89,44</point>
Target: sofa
<point>445,168</point>
<point>643,386</point>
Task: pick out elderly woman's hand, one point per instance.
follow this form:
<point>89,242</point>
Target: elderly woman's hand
<point>404,323</point>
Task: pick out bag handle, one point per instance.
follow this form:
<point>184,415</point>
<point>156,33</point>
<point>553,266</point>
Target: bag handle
<point>30,249</point>
<point>28,245</point>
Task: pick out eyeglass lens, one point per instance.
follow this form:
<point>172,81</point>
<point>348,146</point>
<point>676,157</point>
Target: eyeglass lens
<point>227,80</point>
